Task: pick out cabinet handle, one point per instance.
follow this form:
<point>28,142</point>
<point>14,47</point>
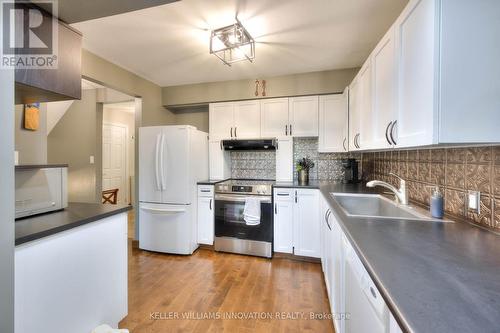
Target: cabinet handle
<point>386,133</point>
<point>210,204</point>
<point>295,196</point>
<point>343,144</point>
<point>235,135</point>
<point>286,129</point>
<point>392,131</point>
<point>275,208</point>
<point>327,221</point>
<point>291,130</point>
<point>231,132</point>
<point>283,194</point>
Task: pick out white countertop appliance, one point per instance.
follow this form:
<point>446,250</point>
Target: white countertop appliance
<point>40,189</point>
<point>172,159</point>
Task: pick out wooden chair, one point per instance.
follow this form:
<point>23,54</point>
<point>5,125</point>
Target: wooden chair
<point>110,196</point>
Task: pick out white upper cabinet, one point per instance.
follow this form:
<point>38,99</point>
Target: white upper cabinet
<point>435,79</point>
<point>304,115</point>
<point>384,91</point>
<point>365,137</point>
<point>221,120</point>
<point>360,119</point>
<point>415,33</point>
<point>354,114</point>
<point>333,123</point>
<point>219,160</point>
<point>235,120</point>
<point>274,117</point>
<point>247,119</point>
<point>284,159</point>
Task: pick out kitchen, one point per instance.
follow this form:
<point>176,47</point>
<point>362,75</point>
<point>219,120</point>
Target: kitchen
<point>356,184</point>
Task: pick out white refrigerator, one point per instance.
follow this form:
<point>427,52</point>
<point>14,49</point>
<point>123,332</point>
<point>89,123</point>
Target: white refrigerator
<point>172,159</point>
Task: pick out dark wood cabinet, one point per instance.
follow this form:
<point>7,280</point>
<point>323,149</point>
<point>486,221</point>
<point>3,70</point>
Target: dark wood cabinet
<point>63,83</point>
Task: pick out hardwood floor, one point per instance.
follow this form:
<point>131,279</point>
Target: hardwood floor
<point>164,288</point>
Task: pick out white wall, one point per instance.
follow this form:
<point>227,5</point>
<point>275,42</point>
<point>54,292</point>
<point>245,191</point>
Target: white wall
<point>7,201</point>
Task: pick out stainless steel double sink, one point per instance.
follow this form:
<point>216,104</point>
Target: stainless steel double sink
<point>380,207</point>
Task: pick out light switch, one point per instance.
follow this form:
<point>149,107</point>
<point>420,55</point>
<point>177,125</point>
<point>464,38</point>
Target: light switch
<point>91,159</point>
<point>474,201</point>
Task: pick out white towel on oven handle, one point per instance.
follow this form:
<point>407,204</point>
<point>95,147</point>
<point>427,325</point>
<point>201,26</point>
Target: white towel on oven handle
<point>251,213</point>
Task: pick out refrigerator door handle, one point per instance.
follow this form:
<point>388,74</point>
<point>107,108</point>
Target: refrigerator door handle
<point>157,178</point>
<point>166,211</point>
<point>162,165</point>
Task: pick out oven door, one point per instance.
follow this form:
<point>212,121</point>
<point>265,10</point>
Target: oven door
<point>229,221</point>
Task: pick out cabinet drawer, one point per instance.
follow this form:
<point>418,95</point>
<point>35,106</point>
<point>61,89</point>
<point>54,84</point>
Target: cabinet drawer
<point>205,190</point>
<point>281,194</point>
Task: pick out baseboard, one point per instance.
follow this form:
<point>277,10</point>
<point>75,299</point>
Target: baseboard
<point>278,255</point>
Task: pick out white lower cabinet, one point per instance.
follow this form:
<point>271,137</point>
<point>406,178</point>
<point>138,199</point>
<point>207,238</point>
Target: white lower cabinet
<point>296,222</point>
<point>283,220</point>
<point>205,208</point>
<point>350,289</point>
<point>73,281</point>
<point>306,240</point>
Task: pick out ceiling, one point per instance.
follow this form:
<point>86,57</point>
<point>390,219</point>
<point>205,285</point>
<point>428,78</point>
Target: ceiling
<point>169,44</point>
<point>71,11</point>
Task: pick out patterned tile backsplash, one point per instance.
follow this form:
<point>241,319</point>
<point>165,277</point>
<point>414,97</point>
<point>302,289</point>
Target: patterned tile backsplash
<point>262,165</point>
<point>455,170</point>
<point>253,164</point>
<point>328,166</point>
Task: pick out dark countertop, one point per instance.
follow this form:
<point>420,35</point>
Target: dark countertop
<point>434,276</point>
<point>210,182</point>
<point>39,166</point>
<point>75,215</point>
<point>314,184</point>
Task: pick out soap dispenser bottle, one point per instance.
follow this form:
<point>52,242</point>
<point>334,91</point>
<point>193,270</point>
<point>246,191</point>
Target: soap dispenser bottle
<point>437,204</point>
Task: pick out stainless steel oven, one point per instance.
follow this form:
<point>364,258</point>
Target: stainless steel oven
<point>232,233</point>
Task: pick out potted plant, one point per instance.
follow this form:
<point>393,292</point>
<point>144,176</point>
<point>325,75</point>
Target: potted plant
<point>303,167</point>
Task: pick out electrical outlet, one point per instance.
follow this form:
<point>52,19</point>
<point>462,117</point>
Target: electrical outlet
<point>92,161</point>
<point>474,201</point>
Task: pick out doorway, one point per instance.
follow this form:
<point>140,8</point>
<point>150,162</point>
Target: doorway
<point>118,153</point>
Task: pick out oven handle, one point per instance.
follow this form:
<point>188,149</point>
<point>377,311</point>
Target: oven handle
<point>240,198</point>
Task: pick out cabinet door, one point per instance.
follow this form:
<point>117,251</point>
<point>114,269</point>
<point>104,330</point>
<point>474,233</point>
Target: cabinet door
<point>283,220</point>
<point>304,116</point>
<point>336,269</point>
<point>384,90</point>
<point>274,117</point>
<point>306,223</point>
<point>333,110</point>
<point>218,160</point>
<point>284,159</point>
<point>247,119</point>
<point>416,52</point>
<point>221,120</point>
<point>365,137</point>
<point>354,116</point>
<point>205,220</point>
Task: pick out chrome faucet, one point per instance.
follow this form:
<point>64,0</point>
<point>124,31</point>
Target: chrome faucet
<point>401,194</point>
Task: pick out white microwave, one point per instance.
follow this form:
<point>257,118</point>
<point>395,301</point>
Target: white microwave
<point>41,189</point>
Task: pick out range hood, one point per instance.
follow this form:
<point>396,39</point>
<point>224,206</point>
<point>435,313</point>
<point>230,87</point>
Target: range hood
<point>257,144</point>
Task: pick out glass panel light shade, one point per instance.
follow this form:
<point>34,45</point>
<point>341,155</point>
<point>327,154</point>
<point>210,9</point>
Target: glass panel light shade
<point>232,43</point>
